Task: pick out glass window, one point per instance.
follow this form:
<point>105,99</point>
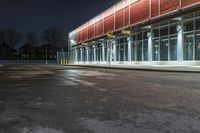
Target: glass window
<point>173,48</point>
<point>106,52</point>
<point>164,31</point>
<point>164,44</point>
<point>91,53</point>
<point>155,33</point>
<point>145,50</point>
<point>173,29</point>
<point>145,35</point>
<point>197,47</point>
<point>188,46</point>
<point>126,52</point>
<point>139,51</point>
<point>197,24</point>
<point>121,52</point>
<point>188,16</point>
<point>133,51</point>
<point>155,50</point>
<point>189,25</point>
<point>117,52</point>
<point>163,23</point>
<point>122,41</point>
<point>99,52</point>
<point>79,55</point>
<point>139,36</point>
<point>133,38</point>
<point>84,54</point>
<point>197,14</point>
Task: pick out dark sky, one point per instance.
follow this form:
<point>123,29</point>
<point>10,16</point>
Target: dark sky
<point>37,15</point>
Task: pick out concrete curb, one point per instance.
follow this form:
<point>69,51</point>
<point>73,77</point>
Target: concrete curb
<point>182,69</point>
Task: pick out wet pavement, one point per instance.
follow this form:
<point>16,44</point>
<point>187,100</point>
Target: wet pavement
<point>63,99</point>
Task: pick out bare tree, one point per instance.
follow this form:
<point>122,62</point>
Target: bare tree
<point>53,37</point>
<point>31,39</point>
<point>13,38</point>
<point>9,39</point>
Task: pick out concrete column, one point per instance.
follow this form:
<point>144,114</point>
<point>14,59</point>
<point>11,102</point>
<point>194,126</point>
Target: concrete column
<point>114,51</point>
<point>94,53</point>
<point>129,49</point>
<point>150,46</point>
<point>180,43</point>
<point>103,51</point>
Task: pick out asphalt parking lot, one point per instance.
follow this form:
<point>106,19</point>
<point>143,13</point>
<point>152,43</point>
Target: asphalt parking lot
<point>66,99</point>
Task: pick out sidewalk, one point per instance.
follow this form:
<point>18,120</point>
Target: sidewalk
<point>163,68</point>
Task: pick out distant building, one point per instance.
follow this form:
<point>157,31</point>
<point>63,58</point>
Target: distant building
<point>140,32</point>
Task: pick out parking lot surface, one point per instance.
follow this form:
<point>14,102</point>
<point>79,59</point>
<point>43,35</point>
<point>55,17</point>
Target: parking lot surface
<point>66,99</point>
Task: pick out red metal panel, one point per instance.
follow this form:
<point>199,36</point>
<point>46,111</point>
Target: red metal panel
<point>126,16</point>
<point>168,5</point>
<point>79,36</point>
<point>154,8</point>
<point>109,24</point>
<point>99,28</point>
<point>119,19</point>
<point>188,2</point>
<point>91,32</point>
<point>84,36</point>
<point>139,11</point>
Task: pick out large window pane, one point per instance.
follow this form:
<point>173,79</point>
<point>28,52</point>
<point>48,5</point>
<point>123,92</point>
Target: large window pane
<point>106,52</point>
<point>197,49</point>
<point>173,48</point>
<point>173,29</point>
<point>188,46</point>
<point>139,51</point>
<point>189,25</point>
<point>155,33</point>
<point>133,51</point>
<point>155,50</point>
<point>121,52</point>
<point>139,36</point>
<point>164,31</point>
<point>117,52</point>
<point>197,24</point>
<point>145,50</point>
<point>126,52</point>
<point>164,44</point>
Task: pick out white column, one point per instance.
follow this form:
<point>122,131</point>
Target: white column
<point>180,43</point>
<point>114,51</point>
<point>129,49</point>
<point>103,51</point>
<point>94,52</point>
<point>150,46</point>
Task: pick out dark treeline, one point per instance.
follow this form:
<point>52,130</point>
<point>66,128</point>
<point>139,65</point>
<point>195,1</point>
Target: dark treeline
<point>15,46</point>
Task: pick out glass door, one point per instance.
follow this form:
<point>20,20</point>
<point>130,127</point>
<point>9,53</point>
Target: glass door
<point>173,48</point>
<point>155,50</point>
<point>164,45</point>
<point>188,46</point>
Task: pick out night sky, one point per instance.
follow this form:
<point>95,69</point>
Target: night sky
<point>37,15</point>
